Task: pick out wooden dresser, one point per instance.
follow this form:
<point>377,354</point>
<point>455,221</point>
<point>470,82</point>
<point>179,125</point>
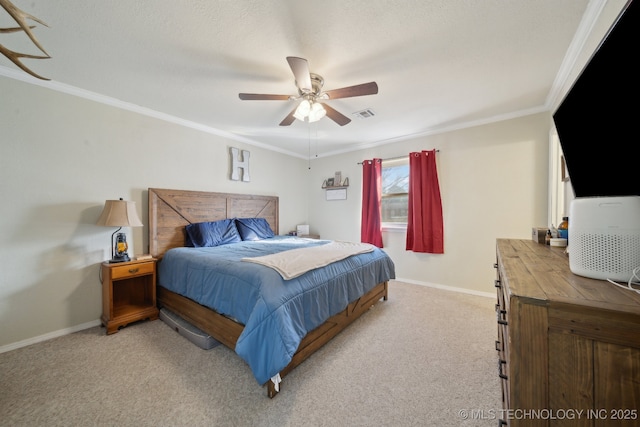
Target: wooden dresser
<point>568,347</point>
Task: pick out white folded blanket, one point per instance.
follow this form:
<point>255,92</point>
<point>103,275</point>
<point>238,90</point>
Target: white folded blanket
<point>295,262</point>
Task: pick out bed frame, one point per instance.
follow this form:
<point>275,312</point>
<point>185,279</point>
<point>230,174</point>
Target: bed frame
<point>171,210</point>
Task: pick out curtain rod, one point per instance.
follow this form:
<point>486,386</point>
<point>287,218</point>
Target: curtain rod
<point>398,158</point>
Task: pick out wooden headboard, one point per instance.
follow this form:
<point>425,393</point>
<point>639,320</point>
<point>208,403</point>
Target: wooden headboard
<point>171,210</point>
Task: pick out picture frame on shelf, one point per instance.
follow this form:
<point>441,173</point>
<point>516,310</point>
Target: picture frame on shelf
<point>330,182</point>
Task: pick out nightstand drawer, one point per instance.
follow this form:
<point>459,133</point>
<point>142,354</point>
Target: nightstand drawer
<point>131,270</point>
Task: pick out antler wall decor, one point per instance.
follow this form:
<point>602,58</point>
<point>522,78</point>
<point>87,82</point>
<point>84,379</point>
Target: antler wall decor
<point>21,18</point>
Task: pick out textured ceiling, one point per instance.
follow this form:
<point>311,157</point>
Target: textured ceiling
<point>439,64</point>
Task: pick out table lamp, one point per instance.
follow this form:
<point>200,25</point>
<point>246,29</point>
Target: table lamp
<point>119,213</point>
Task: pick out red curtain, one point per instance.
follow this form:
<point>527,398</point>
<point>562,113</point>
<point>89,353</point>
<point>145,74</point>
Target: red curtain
<point>371,225</point>
<point>424,220</point>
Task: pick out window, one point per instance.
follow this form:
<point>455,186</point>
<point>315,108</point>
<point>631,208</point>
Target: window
<point>395,192</point>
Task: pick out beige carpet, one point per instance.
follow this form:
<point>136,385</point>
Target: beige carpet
<point>418,359</point>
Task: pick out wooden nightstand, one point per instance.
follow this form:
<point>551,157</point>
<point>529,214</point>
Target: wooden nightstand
<point>128,293</point>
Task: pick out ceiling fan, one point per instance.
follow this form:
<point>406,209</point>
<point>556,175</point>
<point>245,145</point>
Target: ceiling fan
<point>311,95</point>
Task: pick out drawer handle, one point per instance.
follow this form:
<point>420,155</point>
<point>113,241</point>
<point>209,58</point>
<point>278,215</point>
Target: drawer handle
<point>500,315</point>
<point>502,422</point>
<point>498,344</point>
<point>497,284</point>
<point>495,265</point>
<point>133,270</point>
<point>500,374</point>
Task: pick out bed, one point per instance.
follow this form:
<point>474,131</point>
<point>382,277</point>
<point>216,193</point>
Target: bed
<point>274,322</point>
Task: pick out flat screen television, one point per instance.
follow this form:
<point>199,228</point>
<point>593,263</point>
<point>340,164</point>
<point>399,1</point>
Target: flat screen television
<point>598,122</point>
<point>598,129</point>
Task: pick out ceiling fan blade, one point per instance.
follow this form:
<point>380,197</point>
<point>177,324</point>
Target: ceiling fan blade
<point>289,119</point>
<point>336,116</point>
<point>262,97</point>
<point>300,69</point>
<point>370,88</point>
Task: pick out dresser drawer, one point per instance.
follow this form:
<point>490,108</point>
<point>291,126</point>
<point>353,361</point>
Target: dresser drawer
<point>131,270</point>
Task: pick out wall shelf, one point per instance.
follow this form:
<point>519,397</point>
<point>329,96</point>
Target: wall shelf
<point>336,192</point>
<point>336,182</point>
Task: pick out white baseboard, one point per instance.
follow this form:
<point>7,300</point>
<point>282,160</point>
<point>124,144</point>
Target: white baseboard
<point>449,288</point>
<point>49,336</point>
<point>93,323</point>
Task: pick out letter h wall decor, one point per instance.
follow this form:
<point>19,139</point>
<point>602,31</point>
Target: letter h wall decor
<point>237,165</point>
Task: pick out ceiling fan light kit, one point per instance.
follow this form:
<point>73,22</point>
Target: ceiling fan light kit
<point>310,93</point>
<point>303,110</point>
<point>316,113</point>
<point>312,111</point>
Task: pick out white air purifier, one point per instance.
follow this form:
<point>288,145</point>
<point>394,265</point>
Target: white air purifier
<point>604,237</point>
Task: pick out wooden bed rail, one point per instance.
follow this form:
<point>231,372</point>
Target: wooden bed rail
<point>227,331</point>
<point>329,329</point>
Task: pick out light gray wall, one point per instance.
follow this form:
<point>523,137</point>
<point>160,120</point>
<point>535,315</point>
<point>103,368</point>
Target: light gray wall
<point>493,180</point>
<point>61,157</point>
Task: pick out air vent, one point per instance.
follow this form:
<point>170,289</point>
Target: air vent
<point>364,114</point>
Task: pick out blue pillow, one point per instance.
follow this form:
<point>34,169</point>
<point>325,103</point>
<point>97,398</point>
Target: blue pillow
<point>215,233</point>
<point>254,228</point>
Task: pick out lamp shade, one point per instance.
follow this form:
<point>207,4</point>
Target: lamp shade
<point>119,213</point>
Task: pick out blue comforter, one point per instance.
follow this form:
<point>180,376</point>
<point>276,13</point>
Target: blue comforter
<point>276,313</point>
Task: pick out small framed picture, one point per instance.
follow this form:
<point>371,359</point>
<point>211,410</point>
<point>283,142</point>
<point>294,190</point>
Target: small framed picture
<point>337,179</point>
<point>330,182</point>
<point>336,194</point>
